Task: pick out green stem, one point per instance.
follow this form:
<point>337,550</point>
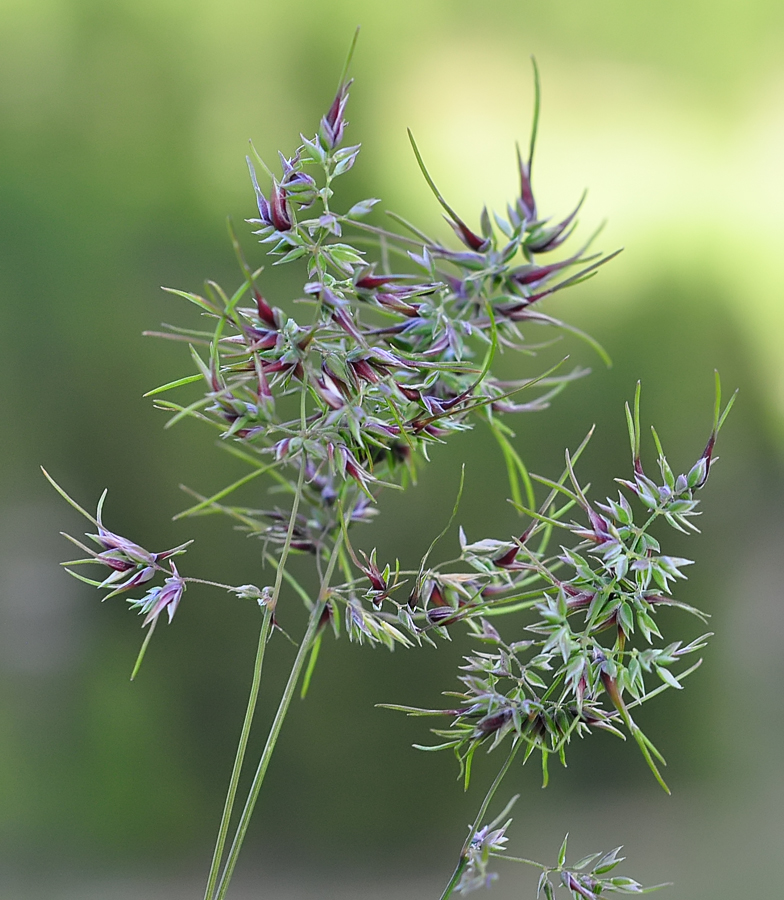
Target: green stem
<point>223,829</point>
<point>250,710</point>
<point>277,724</point>
<point>491,793</point>
<point>456,876</point>
<point>463,861</point>
<point>521,859</point>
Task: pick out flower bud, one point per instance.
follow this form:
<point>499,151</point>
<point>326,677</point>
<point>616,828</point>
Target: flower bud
<point>264,310</point>
<point>526,203</point>
<point>333,123</point>
<point>278,208</point>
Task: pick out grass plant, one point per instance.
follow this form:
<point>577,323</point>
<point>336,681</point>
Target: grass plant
<point>395,350</point>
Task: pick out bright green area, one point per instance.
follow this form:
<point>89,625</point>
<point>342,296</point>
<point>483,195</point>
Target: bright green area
<point>123,127</point>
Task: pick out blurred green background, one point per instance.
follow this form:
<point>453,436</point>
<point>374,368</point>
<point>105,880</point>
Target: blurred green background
<point>123,127</point>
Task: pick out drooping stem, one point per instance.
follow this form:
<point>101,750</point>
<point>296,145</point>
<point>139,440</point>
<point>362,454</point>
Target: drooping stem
<point>277,723</point>
<point>463,861</point>
<point>250,710</point>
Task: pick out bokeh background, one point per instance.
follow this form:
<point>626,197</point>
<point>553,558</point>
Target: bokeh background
<point>123,127</point>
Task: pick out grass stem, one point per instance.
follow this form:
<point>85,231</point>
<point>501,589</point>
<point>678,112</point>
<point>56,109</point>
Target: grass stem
<point>250,710</point>
<point>314,622</point>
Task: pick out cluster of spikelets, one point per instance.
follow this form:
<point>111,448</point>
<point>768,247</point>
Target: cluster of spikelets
<point>345,400</point>
<point>388,363</point>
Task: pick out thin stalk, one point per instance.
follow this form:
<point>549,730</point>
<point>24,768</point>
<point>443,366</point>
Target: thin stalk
<point>463,861</point>
<point>277,723</point>
<point>491,793</point>
<point>242,745</point>
<point>520,859</point>
<point>456,876</point>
